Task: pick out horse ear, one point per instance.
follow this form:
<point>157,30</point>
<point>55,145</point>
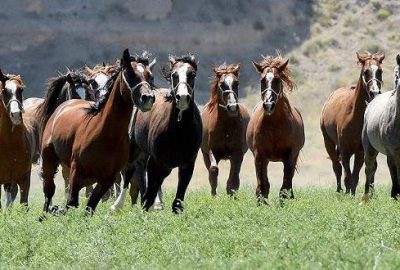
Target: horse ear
<point>172,60</point>
<point>258,66</point>
<point>3,78</point>
<point>104,64</point>
<point>152,64</point>
<point>89,71</point>
<point>192,58</point>
<point>283,65</point>
<point>398,59</point>
<point>126,58</point>
<point>236,69</point>
<point>69,79</point>
<point>380,57</point>
<point>363,56</point>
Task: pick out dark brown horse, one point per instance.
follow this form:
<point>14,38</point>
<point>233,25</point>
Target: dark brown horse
<point>224,127</point>
<point>276,130</point>
<point>16,155</point>
<point>342,120</point>
<point>169,136</point>
<point>91,139</point>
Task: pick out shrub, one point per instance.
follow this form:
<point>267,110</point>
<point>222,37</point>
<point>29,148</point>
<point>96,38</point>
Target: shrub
<point>383,14</point>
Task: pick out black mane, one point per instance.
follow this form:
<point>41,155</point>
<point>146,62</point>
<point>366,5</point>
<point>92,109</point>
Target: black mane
<point>101,102</point>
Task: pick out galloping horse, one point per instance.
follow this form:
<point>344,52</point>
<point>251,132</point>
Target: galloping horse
<point>80,134</point>
<point>224,127</point>
<point>276,130</point>
<point>168,136</point>
<point>381,133</point>
<point>342,120</point>
<point>97,77</point>
<point>16,155</point>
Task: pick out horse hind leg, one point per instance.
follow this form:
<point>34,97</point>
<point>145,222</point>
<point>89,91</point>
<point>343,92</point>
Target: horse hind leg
<point>333,153</point>
<point>11,191</point>
<point>355,175</point>
<point>50,164</point>
<point>101,188</point>
<point>233,183</point>
<point>371,165</point>
<point>126,175</point>
<point>394,169</point>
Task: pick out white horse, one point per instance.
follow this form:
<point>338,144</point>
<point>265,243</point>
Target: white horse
<point>381,134</point>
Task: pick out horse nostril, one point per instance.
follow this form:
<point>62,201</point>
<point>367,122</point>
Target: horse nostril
<point>144,98</point>
<point>178,97</point>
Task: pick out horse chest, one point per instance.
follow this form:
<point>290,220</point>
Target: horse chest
<point>15,161</point>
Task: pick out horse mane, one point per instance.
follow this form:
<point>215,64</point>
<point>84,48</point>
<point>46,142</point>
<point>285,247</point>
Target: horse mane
<point>100,68</point>
<point>220,70</point>
<point>187,58</point>
<point>286,74</point>
<point>96,107</point>
<point>53,93</point>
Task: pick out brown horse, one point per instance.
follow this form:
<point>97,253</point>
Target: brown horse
<point>342,120</point>
<point>224,127</point>
<point>167,137</point>
<point>98,77</point>
<point>276,130</point>
<point>16,155</point>
<point>80,134</point>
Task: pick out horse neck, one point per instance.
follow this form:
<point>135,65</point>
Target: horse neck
<point>360,97</point>
<point>187,115</point>
<point>117,111</point>
<point>8,132</point>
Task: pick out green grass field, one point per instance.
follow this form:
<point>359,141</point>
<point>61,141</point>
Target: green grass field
<point>319,229</point>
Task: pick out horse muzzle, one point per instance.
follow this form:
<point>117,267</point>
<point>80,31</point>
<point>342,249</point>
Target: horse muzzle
<point>147,101</point>
<point>269,107</point>
<point>182,101</point>
<point>232,109</point>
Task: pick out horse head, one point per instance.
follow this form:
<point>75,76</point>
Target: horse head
<point>227,85</point>
<point>371,72</point>
<point>77,86</point>
<point>11,95</point>
<point>181,75</point>
<point>138,77</point>
<point>273,75</point>
<point>98,77</point>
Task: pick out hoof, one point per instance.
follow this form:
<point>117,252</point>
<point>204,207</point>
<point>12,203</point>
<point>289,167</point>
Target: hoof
<point>262,201</point>
<point>158,206</point>
<point>42,218</point>
<point>177,206</point>
<point>56,210</point>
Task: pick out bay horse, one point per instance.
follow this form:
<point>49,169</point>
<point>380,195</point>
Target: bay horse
<point>98,77</point>
<point>16,155</point>
<point>276,130</point>
<point>79,134</point>
<point>342,120</point>
<point>224,127</point>
<point>381,134</point>
<point>169,136</point>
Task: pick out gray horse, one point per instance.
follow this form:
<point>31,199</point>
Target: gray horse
<point>381,133</point>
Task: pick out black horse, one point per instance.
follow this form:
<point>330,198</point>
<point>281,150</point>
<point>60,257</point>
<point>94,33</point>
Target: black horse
<point>167,137</point>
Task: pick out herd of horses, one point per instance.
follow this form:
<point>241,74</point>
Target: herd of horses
<point>110,122</point>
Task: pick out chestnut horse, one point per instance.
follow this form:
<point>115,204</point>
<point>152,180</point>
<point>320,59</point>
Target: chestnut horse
<point>16,155</point>
<point>79,134</point>
<point>342,120</point>
<point>169,136</point>
<point>276,129</point>
<point>224,127</point>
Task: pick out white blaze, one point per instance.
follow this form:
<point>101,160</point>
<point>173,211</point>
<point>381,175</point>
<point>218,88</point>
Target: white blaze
<point>374,87</point>
<point>14,105</point>
<point>229,82</point>
<point>182,74</point>
<point>269,77</point>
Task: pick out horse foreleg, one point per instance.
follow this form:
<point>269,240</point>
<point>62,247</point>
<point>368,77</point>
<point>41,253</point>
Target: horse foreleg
<point>24,186</point>
<point>185,175</point>
<point>156,175</point>
<point>11,191</point>
<point>212,171</point>
<point>289,167</point>
<point>347,171</point>
<point>98,192</point>
<point>355,176</point>
<point>370,168</point>
<point>75,185</point>
<point>232,186</point>
<point>263,185</point>
<point>138,185</point>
